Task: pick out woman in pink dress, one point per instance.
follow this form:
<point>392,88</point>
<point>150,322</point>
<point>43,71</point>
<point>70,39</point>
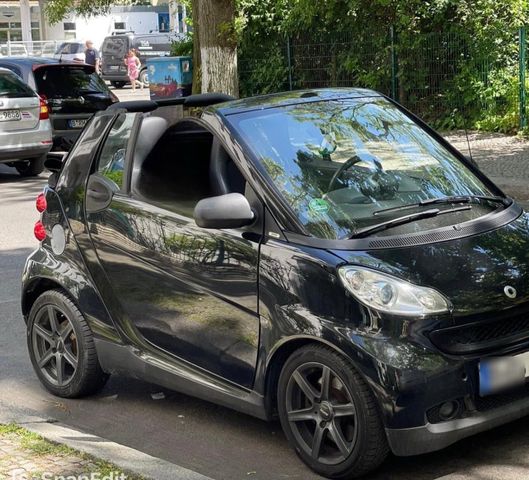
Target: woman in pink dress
<point>133,68</point>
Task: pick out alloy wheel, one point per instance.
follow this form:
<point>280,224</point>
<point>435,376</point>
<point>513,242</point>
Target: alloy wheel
<point>55,345</point>
<point>321,413</point>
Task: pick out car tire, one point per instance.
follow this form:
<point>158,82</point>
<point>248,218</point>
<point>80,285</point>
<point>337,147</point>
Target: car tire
<point>118,84</point>
<point>144,77</point>
<point>338,432</point>
<point>31,168</point>
<point>59,336</point>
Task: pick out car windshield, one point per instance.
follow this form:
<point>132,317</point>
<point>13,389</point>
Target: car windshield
<point>13,87</point>
<point>340,164</point>
<point>68,81</point>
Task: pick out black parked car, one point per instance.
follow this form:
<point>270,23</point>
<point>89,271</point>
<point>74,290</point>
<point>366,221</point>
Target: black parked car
<point>322,256</point>
<point>73,91</point>
<point>114,49</point>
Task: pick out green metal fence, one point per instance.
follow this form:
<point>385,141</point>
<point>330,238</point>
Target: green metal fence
<point>452,79</point>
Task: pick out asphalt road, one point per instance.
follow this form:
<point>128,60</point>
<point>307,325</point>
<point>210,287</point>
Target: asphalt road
<point>209,439</point>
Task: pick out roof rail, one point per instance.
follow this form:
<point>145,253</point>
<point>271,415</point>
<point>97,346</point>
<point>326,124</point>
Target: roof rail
<point>199,100</point>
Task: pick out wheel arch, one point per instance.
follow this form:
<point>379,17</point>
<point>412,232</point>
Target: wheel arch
<point>277,359</point>
<point>35,289</point>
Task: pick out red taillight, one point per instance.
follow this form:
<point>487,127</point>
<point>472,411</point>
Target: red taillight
<point>41,203</point>
<point>44,109</point>
<point>39,231</point>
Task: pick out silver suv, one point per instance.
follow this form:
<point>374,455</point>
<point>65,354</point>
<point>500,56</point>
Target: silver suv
<point>25,128</point>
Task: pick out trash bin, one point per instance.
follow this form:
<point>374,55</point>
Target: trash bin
<point>169,77</point>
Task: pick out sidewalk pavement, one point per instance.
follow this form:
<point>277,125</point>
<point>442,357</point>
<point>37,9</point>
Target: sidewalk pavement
<point>24,456</point>
<point>503,158</point>
<point>18,460</point>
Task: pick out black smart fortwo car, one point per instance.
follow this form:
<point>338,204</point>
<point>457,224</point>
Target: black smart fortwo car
<point>321,256</point>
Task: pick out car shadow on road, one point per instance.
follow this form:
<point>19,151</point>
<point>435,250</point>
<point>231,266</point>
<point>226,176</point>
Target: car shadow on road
<point>10,175</point>
<point>151,418</point>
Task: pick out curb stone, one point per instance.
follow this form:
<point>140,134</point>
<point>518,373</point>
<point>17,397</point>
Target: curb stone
<point>126,458</point>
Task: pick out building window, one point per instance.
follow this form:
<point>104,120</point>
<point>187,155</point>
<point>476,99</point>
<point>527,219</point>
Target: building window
<point>68,26</point>
<point>120,26</point>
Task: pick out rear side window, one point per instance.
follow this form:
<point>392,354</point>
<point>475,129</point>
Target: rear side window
<point>68,81</point>
<point>111,162</point>
<point>14,69</point>
<point>12,86</point>
<point>115,46</point>
<point>71,48</point>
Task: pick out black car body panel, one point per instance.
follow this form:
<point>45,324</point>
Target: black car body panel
<point>70,109</point>
<point>215,313</point>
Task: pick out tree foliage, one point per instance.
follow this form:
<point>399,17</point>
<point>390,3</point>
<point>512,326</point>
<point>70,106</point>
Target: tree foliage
<point>457,59</point>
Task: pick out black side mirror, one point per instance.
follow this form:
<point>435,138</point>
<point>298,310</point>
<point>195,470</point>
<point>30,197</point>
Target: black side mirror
<point>53,163</point>
<point>54,160</point>
<point>225,211</point>
<point>99,192</point>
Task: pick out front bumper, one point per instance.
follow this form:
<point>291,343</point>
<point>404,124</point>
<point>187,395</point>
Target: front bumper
<point>432,437</point>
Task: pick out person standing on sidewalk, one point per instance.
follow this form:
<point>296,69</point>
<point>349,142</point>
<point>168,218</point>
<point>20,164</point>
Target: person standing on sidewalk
<point>133,68</point>
<point>92,56</point>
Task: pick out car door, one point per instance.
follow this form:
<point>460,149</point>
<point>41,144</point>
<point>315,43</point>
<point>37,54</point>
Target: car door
<point>184,290</point>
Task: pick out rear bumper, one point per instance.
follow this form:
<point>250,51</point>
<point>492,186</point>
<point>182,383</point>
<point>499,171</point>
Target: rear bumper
<point>115,77</point>
<point>432,437</point>
<point>12,154</point>
<point>26,144</point>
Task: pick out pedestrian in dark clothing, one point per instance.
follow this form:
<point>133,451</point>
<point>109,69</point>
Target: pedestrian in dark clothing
<point>92,55</point>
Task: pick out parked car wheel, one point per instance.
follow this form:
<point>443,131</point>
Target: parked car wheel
<point>30,168</point>
<point>61,347</point>
<point>329,414</point>
<point>144,77</point>
<point>118,84</point>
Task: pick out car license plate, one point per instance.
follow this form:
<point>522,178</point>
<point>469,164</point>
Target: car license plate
<point>8,115</point>
<point>113,67</point>
<point>77,123</point>
<point>502,373</point>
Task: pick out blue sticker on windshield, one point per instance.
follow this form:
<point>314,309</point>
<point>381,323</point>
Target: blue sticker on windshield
<point>318,205</point>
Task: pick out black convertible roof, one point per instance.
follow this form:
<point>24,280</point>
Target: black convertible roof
<point>228,105</point>
<point>201,100</point>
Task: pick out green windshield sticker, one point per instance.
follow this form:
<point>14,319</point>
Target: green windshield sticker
<point>318,205</point>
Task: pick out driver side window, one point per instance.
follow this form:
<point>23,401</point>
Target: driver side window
<point>111,162</point>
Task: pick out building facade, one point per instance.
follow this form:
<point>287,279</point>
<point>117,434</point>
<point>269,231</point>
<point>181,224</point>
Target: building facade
<point>24,20</point>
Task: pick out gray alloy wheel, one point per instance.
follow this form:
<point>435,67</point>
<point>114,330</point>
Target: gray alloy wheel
<point>321,412</point>
<point>329,414</point>
<point>144,77</point>
<point>62,348</point>
<point>55,345</point>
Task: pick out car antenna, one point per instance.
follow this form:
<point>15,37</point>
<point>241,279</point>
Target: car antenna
<point>468,144</point>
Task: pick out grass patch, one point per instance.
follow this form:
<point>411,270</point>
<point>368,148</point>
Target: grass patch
<point>41,448</point>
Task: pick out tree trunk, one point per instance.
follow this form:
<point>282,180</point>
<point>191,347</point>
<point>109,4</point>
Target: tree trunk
<point>197,79</point>
<point>218,46</point>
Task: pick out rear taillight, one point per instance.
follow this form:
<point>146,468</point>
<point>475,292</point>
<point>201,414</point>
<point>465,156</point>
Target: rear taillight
<point>41,203</point>
<point>39,231</point>
<point>44,109</point>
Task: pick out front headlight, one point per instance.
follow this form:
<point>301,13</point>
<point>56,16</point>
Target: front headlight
<point>389,294</point>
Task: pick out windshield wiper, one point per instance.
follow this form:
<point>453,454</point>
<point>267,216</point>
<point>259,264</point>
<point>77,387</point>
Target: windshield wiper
<point>433,212</point>
<point>447,200</point>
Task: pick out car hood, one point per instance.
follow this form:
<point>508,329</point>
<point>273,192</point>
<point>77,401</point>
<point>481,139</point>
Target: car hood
<point>471,272</point>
